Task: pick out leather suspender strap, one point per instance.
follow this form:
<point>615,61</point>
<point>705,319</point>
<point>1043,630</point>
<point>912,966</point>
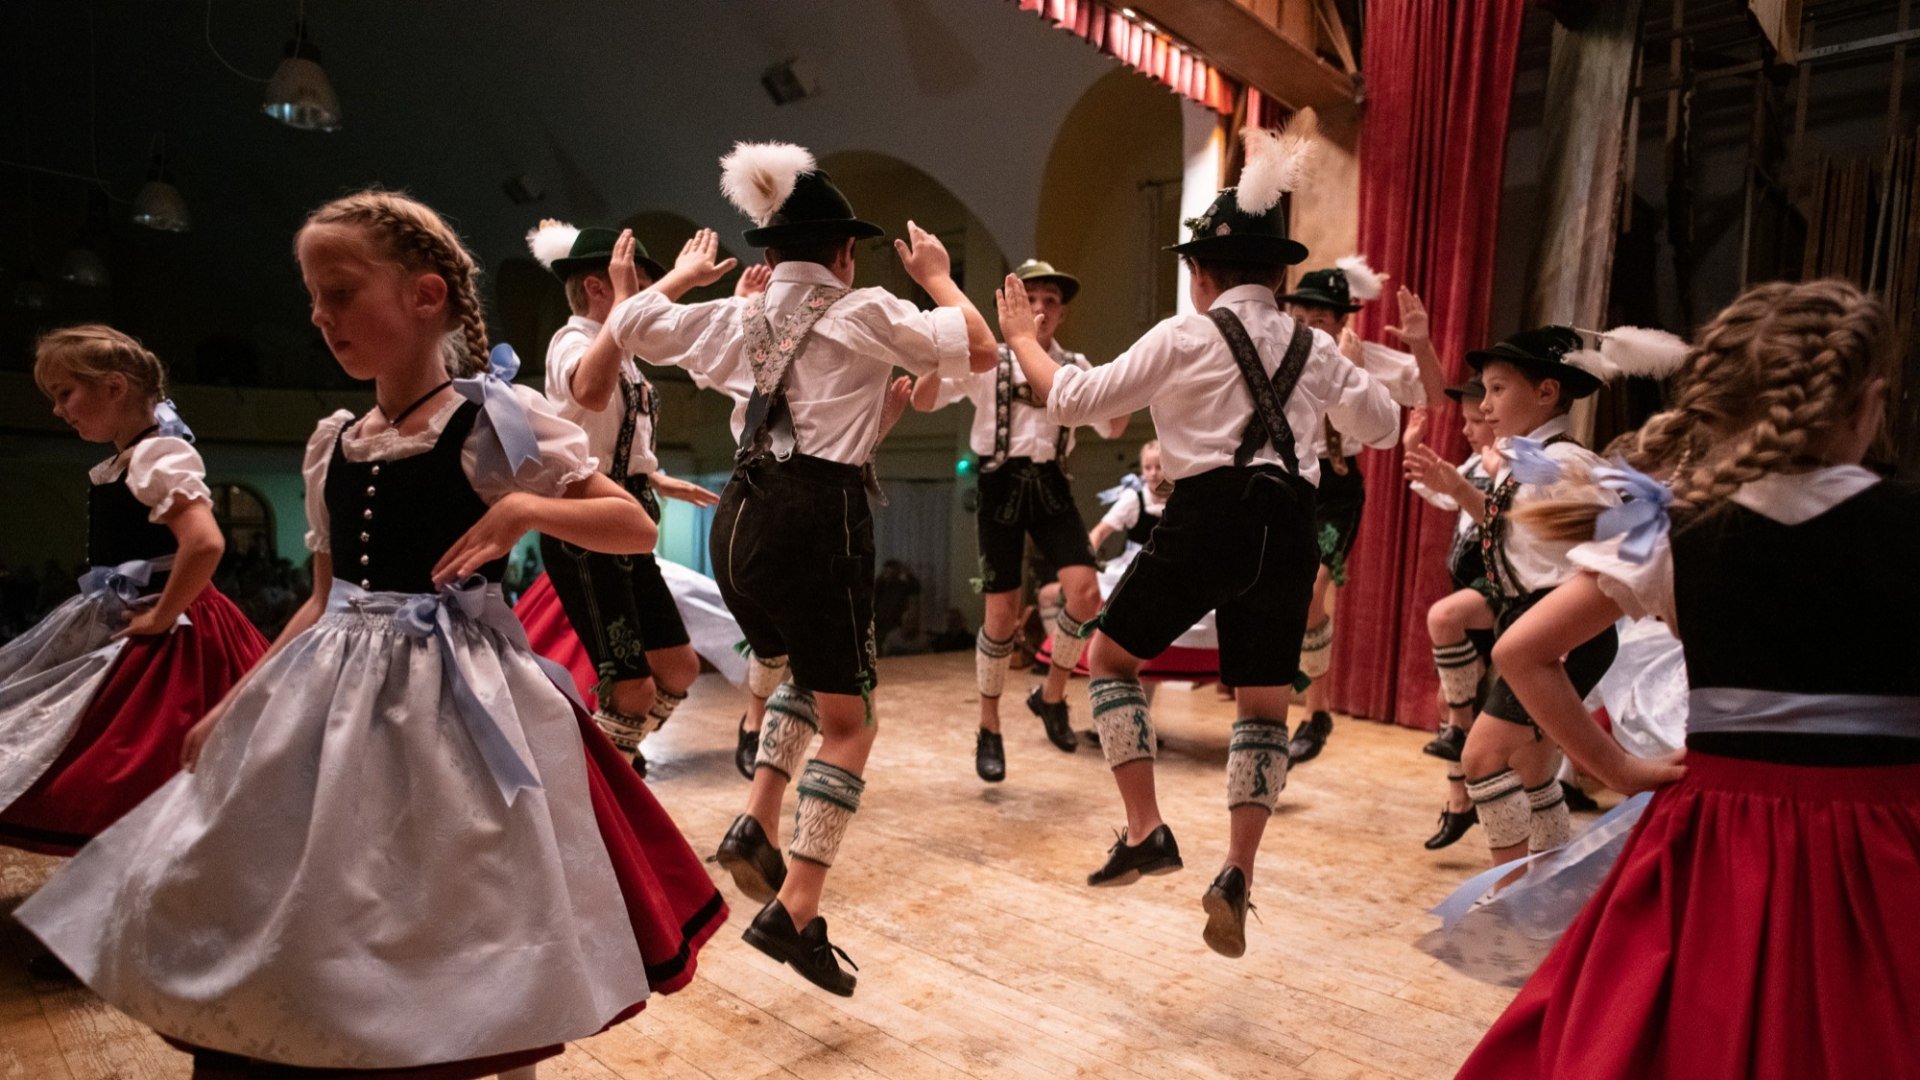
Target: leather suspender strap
<point>1268,424</point>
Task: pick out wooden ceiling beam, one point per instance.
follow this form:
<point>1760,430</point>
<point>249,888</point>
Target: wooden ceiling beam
<point>1252,50</point>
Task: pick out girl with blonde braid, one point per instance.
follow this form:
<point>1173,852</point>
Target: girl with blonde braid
<point>401,849</point>
<point>1759,919</point>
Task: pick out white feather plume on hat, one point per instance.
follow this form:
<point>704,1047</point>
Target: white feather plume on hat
<point>1631,350</point>
<point>759,177</point>
<point>551,240</point>
<point>1363,281</point>
<point>1277,160</point>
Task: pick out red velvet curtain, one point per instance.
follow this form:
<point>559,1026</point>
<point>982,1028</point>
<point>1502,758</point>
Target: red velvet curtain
<point>1432,150</point>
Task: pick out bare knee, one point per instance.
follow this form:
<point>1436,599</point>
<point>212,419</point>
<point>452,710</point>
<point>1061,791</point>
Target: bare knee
<point>1002,607</point>
<point>633,696</point>
<point>674,669</point>
<point>1107,660</point>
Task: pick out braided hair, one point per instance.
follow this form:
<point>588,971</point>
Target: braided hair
<point>1769,384</point>
<point>93,351</point>
<point>412,234</point>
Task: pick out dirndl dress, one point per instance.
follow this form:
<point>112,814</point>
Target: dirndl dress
<point>405,850</point>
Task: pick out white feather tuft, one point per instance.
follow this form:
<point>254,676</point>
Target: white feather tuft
<point>551,241</point>
<point>1634,350</point>
<point>758,177</point>
<point>1277,162</point>
<point>1593,363</point>
<point>1363,281</point>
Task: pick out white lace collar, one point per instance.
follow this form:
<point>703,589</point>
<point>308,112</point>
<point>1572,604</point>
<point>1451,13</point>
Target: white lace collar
<point>1792,498</point>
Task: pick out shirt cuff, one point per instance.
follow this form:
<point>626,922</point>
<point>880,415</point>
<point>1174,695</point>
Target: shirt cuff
<point>629,315</point>
<point>952,354</point>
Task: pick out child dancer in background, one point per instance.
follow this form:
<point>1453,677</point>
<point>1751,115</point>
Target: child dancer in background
<point>1461,623</point>
<point>1759,921</point>
<point>96,700</point>
<point>403,848</point>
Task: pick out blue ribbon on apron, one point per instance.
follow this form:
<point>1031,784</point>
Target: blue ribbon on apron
<point>118,587</point>
<point>503,410</point>
<point>425,616</point>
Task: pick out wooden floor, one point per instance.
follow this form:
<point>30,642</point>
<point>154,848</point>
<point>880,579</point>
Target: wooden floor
<point>983,953</point>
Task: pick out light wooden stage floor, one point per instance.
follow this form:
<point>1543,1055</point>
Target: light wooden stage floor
<point>984,953</point>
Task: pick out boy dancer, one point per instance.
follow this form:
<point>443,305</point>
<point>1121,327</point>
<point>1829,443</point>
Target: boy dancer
<point>1324,300</point>
<point>1025,491</point>
<point>619,605</point>
<point>793,539</point>
<point>1235,394</point>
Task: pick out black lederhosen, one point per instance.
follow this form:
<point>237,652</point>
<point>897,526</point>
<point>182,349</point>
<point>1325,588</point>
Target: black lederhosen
<point>1468,569</point>
<point>1337,503</point>
<point>619,605</point>
<point>792,549</point>
<point>1237,541</point>
<point>1025,498</point>
<point>1586,664</point>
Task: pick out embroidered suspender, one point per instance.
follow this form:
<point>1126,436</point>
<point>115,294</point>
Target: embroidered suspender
<point>637,399</point>
<point>1269,421</point>
<point>769,423</point>
<point>1005,394</point>
<point>1493,532</point>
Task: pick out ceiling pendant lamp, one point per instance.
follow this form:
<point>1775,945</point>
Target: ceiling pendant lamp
<point>300,95</point>
<point>158,204</point>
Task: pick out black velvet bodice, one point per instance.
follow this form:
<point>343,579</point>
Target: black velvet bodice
<point>1828,606</point>
<point>117,527</point>
<point>390,521</point>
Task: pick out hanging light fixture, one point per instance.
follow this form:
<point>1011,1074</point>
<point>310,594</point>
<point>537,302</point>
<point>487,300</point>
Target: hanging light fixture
<point>158,204</point>
<point>82,264</point>
<point>31,293</point>
<point>300,95</point>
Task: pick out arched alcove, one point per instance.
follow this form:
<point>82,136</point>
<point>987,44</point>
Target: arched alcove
<point>889,192</point>
<point>1109,205</point>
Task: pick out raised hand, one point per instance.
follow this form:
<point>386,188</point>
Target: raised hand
<point>753,280</point>
<point>1016,312</point>
<point>924,256</point>
<point>697,259</point>
<point>1425,467</point>
<point>1416,428</point>
<point>501,527</point>
<point>625,276</point>
<point>1413,327</point>
<point>1350,347</point>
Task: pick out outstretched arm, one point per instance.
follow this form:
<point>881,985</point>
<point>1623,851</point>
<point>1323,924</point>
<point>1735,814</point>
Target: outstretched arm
<point>1415,332</point>
<point>928,263</point>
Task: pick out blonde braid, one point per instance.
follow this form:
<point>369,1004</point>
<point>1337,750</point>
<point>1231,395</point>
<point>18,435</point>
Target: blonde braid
<point>1770,382</point>
<point>419,239</point>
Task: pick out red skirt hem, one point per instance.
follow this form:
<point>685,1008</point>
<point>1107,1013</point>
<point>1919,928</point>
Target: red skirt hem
<point>128,740</point>
<point>550,633</point>
<point>1177,662</point>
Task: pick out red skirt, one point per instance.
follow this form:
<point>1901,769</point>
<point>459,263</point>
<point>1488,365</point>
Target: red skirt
<point>1762,921</point>
<point>128,741</point>
<point>551,635</point>
<point>1177,663</point>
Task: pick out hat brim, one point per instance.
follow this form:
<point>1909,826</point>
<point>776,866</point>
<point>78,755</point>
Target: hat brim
<point>1068,284</point>
<point>811,232</point>
<point>1318,299</point>
<point>1575,383</point>
<point>566,268</point>
<point>1245,247</point>
<point>1476,391</point>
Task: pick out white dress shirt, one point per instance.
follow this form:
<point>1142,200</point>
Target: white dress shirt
<point>1030,433</point>
<point>1471,469</point>
<point>837,386</point>
<point>602,426</point>
<point>1539,563</point>
<point>1183,371</point>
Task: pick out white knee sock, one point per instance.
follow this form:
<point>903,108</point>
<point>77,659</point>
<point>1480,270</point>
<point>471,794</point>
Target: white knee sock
<point>1549,824</point>
<point>829,797</point>
<point>1120,715</point>
<point>1504,811</point>
<point>1316,650</point>
<point>788,730</point>
<point>990,659</point>
<point>1069,640</point>
<point>1256,763</point>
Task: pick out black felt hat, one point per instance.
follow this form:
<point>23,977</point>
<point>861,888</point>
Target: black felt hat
<point>1231,234</point>
<point>1322,288</point>
<point>1542,353</point>
<point>815,211</point>
<point>1472,388</point>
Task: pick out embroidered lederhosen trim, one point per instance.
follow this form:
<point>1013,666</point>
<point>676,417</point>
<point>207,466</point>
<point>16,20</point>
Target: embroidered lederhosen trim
<point>769,423</point>
<point>1005,395</point>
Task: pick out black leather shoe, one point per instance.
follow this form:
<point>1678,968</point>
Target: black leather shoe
<point>746,749</point>
<point>989,757</point>
<point>1446,743</point>
<point>1226,907</point>
<point>1453,825</point>
<point>1578,801</point>
<point>1157,854</point>
<point>640,764</point>
<point>807,949</point>
<point>47,968</point>
<point>1309,738</point>
<point>756,865</point>
<point>1053,715</point>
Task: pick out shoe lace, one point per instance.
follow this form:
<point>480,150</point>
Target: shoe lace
<point>822,950</point>
<point>1119,841</point>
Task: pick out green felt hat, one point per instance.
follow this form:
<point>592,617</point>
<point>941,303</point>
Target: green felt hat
<point>1231,234</point>
<point>1038,270</point>
<point>1542,353</point>
<point>593,250</point>
<point>815,211</point>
